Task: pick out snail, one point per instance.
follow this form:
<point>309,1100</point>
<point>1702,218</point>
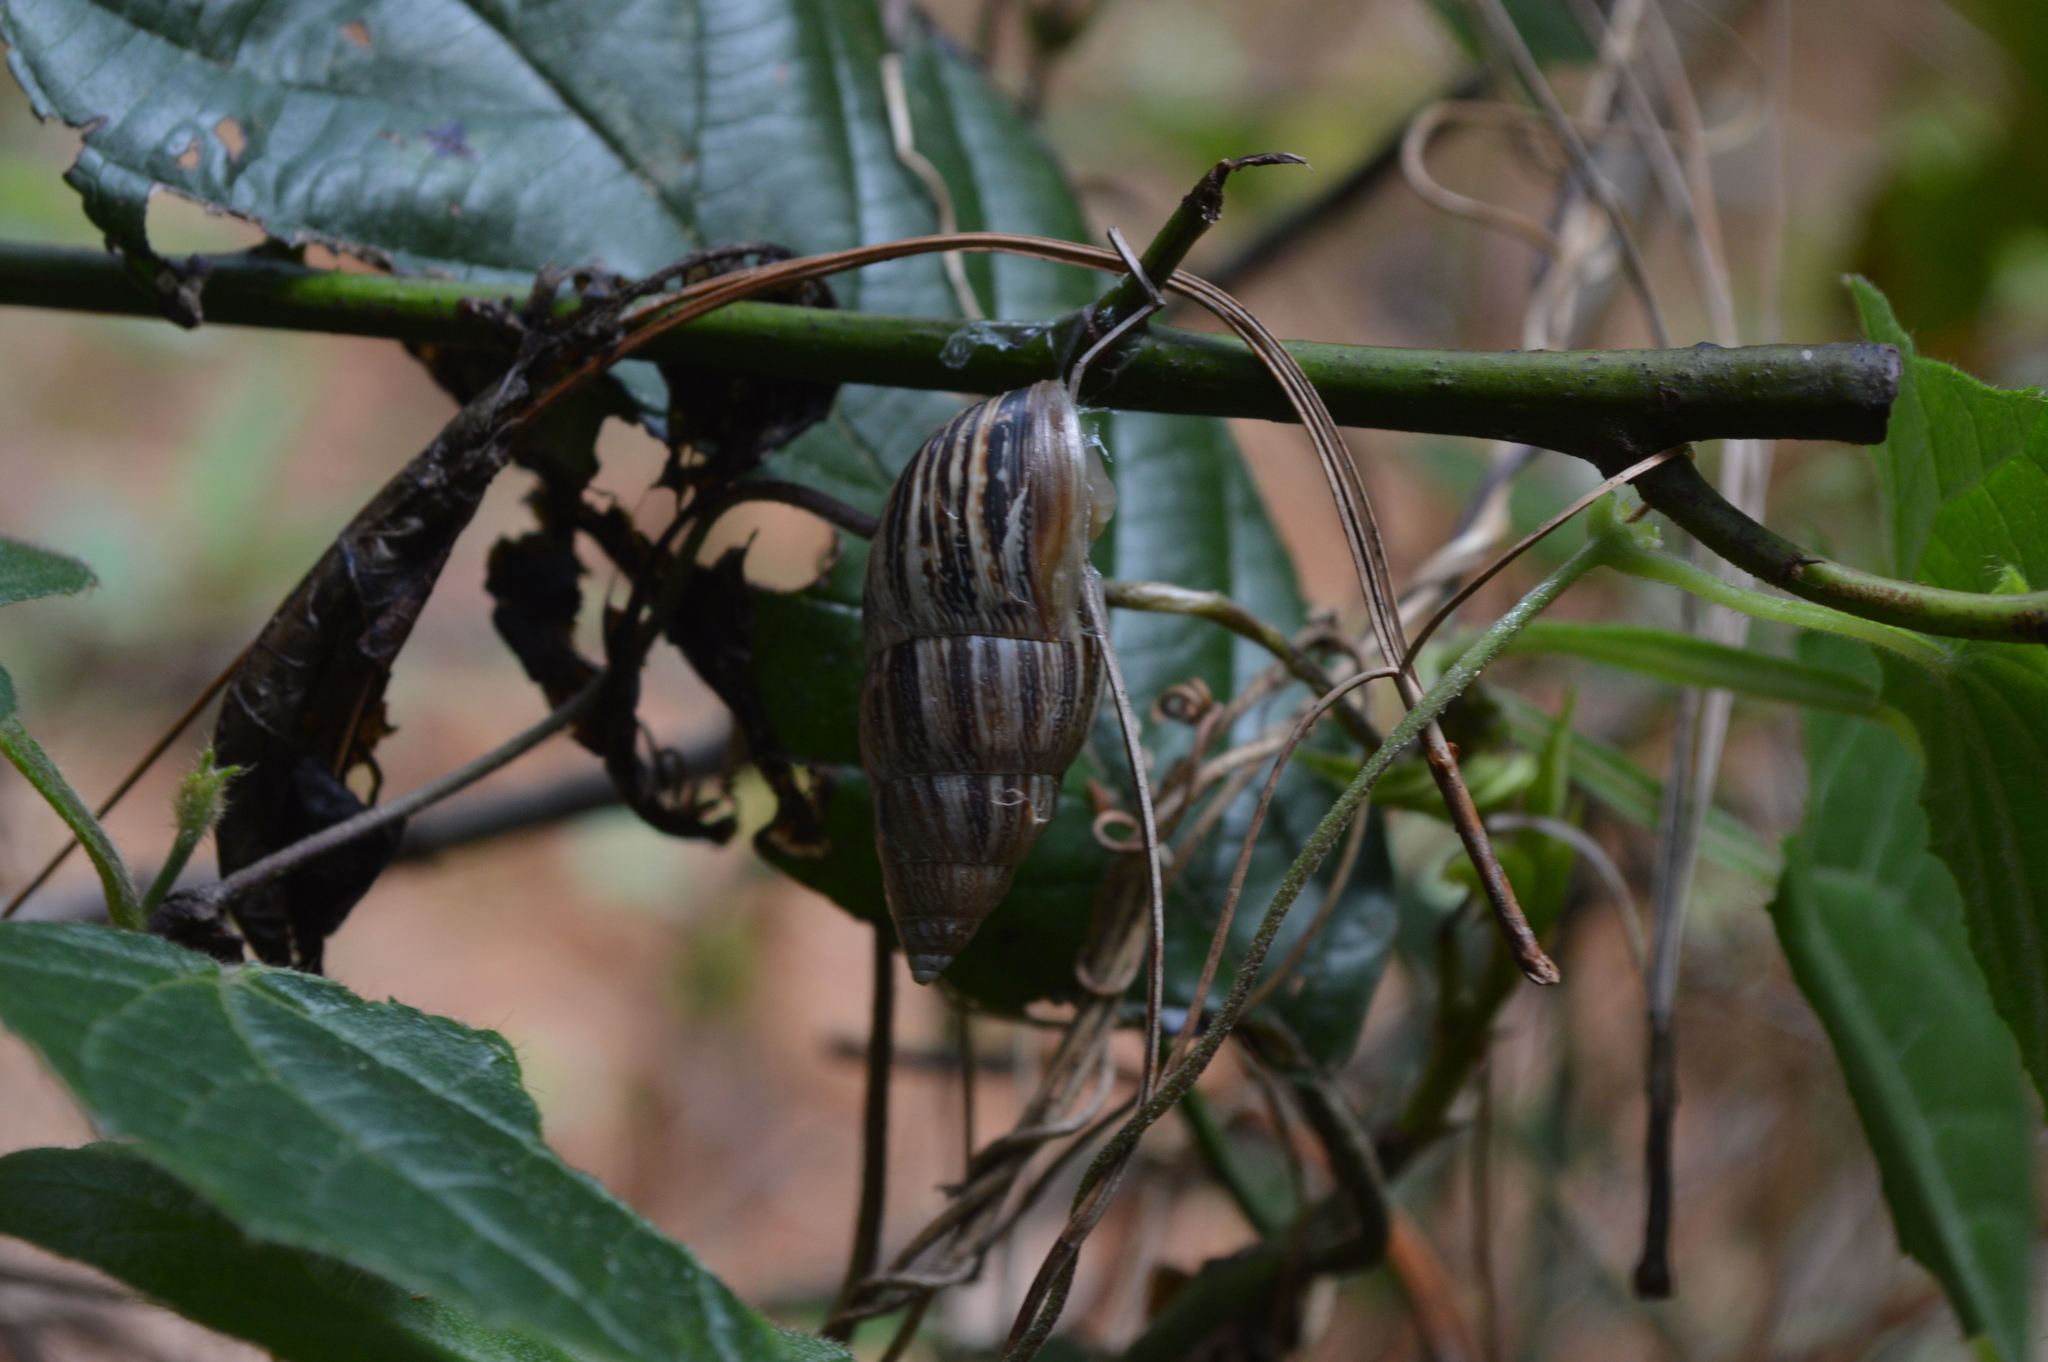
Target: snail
<point>985,651</point>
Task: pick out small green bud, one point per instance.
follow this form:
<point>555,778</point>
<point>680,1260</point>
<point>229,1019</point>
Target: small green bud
<point>198,804</point>
<point>2010,582</point>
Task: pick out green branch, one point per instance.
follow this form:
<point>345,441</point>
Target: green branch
<point>1609,406</point>
<point>1590,403</point>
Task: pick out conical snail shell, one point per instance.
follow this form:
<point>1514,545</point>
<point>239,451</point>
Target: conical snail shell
<point>983,669</point>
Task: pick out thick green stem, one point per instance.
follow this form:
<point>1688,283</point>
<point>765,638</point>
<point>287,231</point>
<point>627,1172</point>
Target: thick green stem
<point>1587,403</point>
<point>1611,407</point>
<point>29,758</point>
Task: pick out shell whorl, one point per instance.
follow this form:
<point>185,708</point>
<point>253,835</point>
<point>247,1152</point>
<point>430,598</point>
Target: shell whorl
<point>983,668</point>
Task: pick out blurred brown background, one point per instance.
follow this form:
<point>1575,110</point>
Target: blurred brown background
<point>684,1014</point>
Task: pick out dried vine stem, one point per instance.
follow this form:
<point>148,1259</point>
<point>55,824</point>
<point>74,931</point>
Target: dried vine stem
<point>1189,1028</point>
<point>1368,553</point>
<point>1166,598</point>
<point>1180,1078</point>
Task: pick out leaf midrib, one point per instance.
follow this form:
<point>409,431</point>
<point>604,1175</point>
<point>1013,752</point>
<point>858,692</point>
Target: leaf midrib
<point>221,986</point>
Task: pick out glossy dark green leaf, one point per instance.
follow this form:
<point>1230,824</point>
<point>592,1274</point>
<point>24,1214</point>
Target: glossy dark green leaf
<point>485,140</point>
<point>394,1141</point>
<point>482,138</point>
<point>1685,660</point>
<point>1873,925</point>
<point>108,1206</point>
<point>1965,472</point>
<point>27,572</point>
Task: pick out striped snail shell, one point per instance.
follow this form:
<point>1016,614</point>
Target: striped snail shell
<point>984,661</point>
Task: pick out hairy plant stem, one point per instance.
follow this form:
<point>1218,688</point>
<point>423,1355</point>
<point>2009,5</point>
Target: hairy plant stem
<point>1345,1231</point>
<point>1320,843</point>
<point>135,773</point>
<point>124,905</point>
<point>197,806</point>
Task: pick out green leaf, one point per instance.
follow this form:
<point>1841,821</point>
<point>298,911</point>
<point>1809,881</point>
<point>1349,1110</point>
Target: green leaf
<point>1688,661</point>
<point>1965,472</point>
<point>6,695</point>
<point>108,1206</point>
<point>1606,773</point>
<point>394,1141</point>
<point>1983,725</point>
<point>27,572</point>
<point>486,138</point>
<point>1873,925</point>
<point>1964,469</point>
